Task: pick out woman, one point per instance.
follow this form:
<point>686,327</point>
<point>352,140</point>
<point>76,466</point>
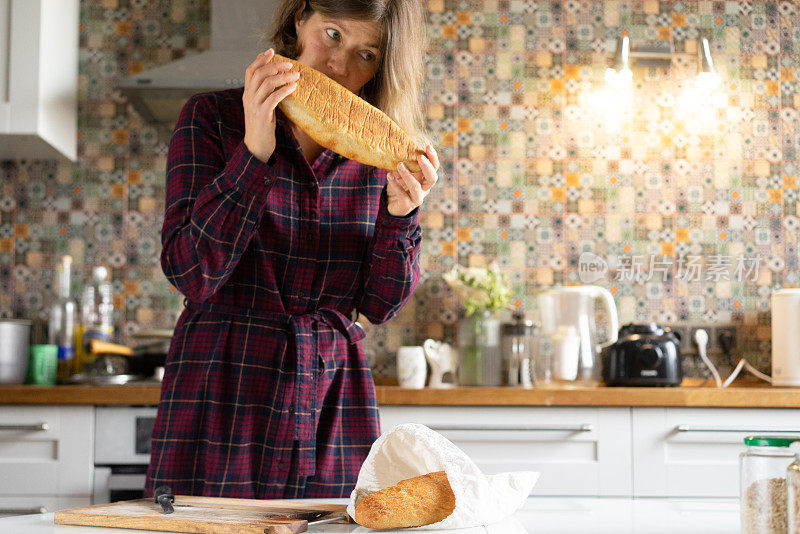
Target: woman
<point>275,242</point>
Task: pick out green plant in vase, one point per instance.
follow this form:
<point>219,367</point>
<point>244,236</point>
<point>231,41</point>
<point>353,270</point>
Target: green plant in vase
<point>483,292</point>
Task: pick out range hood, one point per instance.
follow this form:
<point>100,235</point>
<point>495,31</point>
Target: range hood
<point>159,93</point>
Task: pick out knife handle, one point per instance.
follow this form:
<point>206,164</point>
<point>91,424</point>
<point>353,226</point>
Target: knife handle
<point>166,504</point>
<point>163,496</point>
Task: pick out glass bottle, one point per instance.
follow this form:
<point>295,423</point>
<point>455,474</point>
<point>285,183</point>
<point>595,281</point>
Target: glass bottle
<point>762,484</point>
<point>61,328</point>
<point>97,317</point>
<point>793,486</point>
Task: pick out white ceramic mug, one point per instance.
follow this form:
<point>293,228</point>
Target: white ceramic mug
<point>411,368</point>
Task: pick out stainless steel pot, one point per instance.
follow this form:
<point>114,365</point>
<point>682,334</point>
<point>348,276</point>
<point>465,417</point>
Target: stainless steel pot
<point>14,344</point>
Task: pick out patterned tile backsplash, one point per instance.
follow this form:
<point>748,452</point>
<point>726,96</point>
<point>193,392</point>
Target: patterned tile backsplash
<point>684,204</point>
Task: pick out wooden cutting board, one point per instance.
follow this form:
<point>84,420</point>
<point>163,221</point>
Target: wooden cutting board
<point>205,515</point>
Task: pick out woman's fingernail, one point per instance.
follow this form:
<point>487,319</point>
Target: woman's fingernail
<point>402,166</point>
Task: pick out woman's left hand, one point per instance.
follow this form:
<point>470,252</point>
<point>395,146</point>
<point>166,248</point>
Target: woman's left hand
<point>405,191</point>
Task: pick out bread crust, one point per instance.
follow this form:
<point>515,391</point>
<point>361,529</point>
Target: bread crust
<point>338,119</point>
<point>413,502</point>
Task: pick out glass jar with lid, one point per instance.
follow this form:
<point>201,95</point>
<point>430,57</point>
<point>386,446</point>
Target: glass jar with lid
<point>518,348</point>
<point>793,485</point>
<point>762,483</point>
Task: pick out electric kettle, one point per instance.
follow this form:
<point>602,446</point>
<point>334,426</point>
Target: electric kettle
<point>567,316</point>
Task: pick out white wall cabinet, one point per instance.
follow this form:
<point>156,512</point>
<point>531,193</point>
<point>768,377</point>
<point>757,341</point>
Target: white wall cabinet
<point>694,452</point>
<point>578,451</point>
<point>46,457</point>
<point>39,79</point>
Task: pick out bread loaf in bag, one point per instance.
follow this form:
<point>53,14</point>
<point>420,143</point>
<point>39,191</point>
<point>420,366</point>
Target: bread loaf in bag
<point>413,502</point>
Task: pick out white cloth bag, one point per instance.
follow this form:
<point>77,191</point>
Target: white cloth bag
<point>411,449</point>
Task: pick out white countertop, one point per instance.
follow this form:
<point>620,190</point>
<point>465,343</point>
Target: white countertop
<point>540,515</point>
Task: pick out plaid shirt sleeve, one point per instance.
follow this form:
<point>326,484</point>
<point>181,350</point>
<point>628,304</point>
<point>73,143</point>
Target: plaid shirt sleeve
<point>212,207</point>
<point>391,265</point>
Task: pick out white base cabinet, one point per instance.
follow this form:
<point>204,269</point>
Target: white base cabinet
<point>46,457</point>
<point>578,451</point>
<point>594,451</point>
<point>39,504</point>
<point>694,452</point>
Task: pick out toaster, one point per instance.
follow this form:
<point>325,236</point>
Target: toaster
<point>643,355</point>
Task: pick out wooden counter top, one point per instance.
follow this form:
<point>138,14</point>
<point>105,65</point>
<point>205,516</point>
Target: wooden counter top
<point>694,393</point>
<point>143,394</point>
<point>684,396</point>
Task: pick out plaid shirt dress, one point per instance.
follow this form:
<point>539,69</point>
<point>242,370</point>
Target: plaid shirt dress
<point>267,392</point>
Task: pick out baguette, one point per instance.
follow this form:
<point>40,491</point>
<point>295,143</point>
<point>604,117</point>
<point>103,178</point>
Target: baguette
<point>337,119</point>
<point>413,502</point>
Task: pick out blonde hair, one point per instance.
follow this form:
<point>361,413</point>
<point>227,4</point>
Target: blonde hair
<point>396,88</point>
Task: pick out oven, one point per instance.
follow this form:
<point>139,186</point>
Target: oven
<point>121,452</point>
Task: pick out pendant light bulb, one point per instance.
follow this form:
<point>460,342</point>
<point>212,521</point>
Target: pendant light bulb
<point>707,77</point>
<point>621,77</point>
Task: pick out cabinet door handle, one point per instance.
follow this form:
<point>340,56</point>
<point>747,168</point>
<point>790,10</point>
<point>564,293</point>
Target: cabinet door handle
<point>39,427</point>
<point>23,511</point>
<point>746,430</point>
<point>586,427</point>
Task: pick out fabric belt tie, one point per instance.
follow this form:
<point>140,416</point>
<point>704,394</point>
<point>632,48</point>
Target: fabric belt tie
<point>330,316</point>
<point>301,328</point>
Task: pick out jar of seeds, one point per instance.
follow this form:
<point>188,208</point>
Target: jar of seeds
<point>763,490</point>
<point>793,485</point>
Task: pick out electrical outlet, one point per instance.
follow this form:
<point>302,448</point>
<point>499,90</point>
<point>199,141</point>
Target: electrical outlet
<point>686,333</point>
<point>683,334</point>
<point>688,346</point>
<point>693,344</point>
<point>720,330</point>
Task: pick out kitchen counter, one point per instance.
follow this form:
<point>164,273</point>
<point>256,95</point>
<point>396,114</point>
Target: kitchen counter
<point>540,515</point>
<point>694,393</point>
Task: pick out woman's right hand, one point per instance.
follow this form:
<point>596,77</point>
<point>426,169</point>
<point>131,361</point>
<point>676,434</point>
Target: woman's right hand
<point>265,84</point>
